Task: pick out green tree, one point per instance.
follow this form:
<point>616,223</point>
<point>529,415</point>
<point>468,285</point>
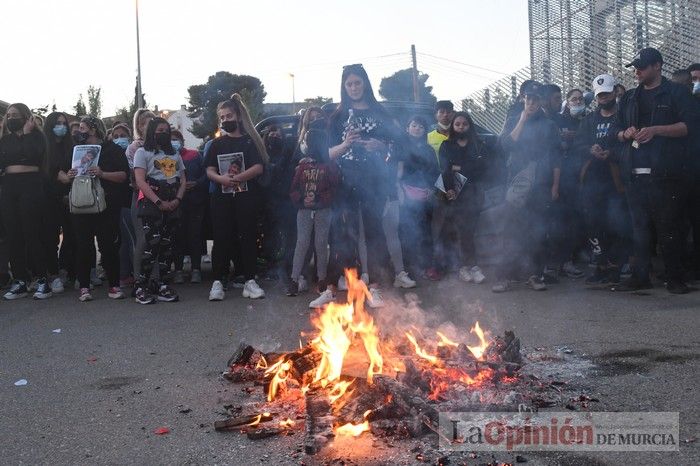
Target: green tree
<point>318,101</point>
<point>79,106</point>
<point>205,97</point>
<point>399,87</point>
<point>95,101</point>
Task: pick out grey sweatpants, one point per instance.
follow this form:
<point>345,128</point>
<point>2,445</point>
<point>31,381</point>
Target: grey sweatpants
<point>308,221</point>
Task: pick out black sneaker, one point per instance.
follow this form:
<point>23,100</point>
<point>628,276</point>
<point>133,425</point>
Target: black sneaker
<point>599,277</point>
<point>292,288</point>
<point>43,289</point>
<point>677,287</point>
<point>167,294</point>
<point>633,284</point>
<point>17,290</point>
<point>144,296</point>
<point>239,282</point>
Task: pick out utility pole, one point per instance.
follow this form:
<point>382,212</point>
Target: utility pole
<point>294,97</point>
<point>416,95</point>
<point>139,93</point>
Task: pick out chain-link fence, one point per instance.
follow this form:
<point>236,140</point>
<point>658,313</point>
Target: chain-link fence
<point>572,41</point>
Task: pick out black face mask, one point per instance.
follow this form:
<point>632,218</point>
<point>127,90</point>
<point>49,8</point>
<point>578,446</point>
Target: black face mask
<point>80,137</point>
<point>609,105</point>
<point>230,126</point>
<point>163,140</point>
<point>15,124</point>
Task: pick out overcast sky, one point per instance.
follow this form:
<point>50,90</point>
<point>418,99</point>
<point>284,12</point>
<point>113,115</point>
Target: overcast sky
<point>55,49</point>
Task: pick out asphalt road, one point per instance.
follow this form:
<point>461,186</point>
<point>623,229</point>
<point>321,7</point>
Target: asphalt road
<point>117,371</point>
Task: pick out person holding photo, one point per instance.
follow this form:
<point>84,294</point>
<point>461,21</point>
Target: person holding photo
<point>23,159</point>
<point>461,157</point>
<point>112,171</point>
<point>160,177</point>
<point>234,215</point>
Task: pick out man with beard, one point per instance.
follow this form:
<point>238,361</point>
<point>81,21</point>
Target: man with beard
<point>653,123</point>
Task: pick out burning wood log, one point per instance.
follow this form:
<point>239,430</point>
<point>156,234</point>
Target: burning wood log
<point>243,355</point>
<point>319,420</point>
<point>412,399</point>
<point>242,421</point>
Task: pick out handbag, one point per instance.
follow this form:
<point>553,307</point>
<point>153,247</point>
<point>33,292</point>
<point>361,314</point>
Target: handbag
<point>87,196</point>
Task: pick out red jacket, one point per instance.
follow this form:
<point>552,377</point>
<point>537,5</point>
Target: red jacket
<point>314,184</point>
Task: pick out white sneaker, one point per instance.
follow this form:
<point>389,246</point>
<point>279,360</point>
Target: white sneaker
<point>325,298</point>
<point>342,283</point>
<point>217,291</point>
<point>252,290</point>
<point>376,298</point>
<point>365,278</point>
<point>303,284</point>
<point>206,259</point>
<point>402,280</point>
<point>196,276</point>
<point>477,275</point>
<point>186,260</point>
<point>57,285</point>
<point>465,275</point>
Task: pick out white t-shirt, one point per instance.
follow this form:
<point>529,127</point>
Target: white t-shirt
<point>159,166</point>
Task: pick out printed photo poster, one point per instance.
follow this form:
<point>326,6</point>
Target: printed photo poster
<point>232,164</point>
<point>85,156</point>
<point>459,182</point>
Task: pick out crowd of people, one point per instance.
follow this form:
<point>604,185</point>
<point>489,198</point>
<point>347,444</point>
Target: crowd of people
<point>608,174</point>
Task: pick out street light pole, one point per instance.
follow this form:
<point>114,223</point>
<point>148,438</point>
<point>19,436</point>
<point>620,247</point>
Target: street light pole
<point>294,98</point>
<point>139,94</point>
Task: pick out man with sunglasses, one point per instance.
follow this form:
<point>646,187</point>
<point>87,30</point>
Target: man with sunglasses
<point>653,122</point>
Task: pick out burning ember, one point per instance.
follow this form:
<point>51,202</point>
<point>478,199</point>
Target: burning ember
<point>352,381</point>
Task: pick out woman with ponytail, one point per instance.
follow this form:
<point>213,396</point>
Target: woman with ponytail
<point>237,198</point>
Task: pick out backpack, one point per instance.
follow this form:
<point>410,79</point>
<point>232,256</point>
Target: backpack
<point>86,196</point>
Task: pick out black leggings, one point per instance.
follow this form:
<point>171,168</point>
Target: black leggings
<point>189,235</point>
<point>22,205</point>
<point>234,224</point>
<point>104,226</point>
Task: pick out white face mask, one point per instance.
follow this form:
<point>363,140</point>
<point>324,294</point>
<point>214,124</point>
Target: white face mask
<point>443,127</point>
<point>303,147</point>
<point>696,88</point>
<point>577,110</point>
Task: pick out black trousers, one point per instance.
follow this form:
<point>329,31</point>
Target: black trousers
<point>607,223</point>
<point>234,226</point>
<point>105,227</point>
<point>189,235</point>
<point>59,253</point>
<point>22,205</point>
<point>658,203</point>
<point>693,211</point>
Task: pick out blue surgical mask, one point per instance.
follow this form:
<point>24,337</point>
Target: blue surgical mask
<point>60,130</point>
<point>121,142</point>
<point>696,88</point>
<point>177,145</point>
<point>577,110</point>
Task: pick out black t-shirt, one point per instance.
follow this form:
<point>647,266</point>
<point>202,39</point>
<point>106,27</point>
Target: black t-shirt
<point>112,159</point>
<point>27,149</point>
<point>599,170</point>
<point>231,145</point>
<point>641,156</point>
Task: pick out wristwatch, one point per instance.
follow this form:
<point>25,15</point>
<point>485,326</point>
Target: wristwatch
<point>159,202</point>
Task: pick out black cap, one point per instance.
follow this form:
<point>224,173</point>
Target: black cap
<point>646,57</point>
<point>532,88</point>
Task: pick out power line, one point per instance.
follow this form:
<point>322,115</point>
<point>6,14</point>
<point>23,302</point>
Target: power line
<point>463,64</point>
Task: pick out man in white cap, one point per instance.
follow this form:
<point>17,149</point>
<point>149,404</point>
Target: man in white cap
<point>601,187</point>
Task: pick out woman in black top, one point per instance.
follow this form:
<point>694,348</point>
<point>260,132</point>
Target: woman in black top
<point>112,170</point>
<point>57,216</point>
<point>237,200</point>
<point>462,162</point>
<point>23,159</point>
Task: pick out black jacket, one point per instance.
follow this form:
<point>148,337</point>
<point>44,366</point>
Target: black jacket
<point>669,156</point>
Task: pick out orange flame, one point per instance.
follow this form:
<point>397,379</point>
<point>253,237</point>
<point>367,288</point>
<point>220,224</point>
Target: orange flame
<point>419,351</point>
<point>444,341</point>
<point>354,430</point>
<point>478,351</point>
<point>279,380</point>
<point>262,363</point>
